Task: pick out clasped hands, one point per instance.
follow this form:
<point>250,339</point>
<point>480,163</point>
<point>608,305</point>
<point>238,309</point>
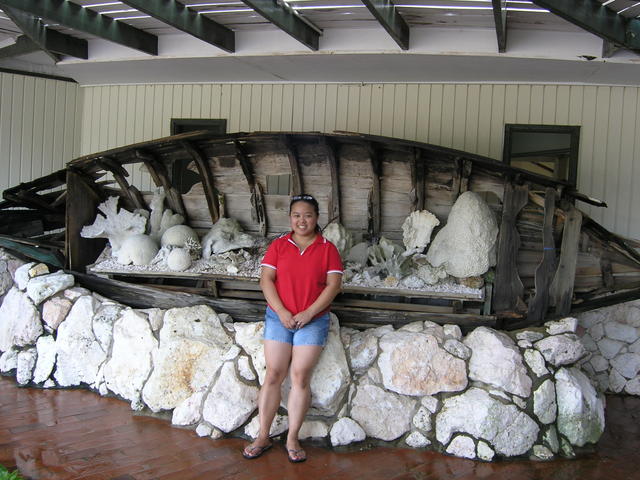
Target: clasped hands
<point>297,321</point>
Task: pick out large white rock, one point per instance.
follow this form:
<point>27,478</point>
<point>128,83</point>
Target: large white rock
<point>54,311</point>
<point>103,322</point>
<point>249,337</point>
<point>422,419</point>
<point>566,325</point>
<point>535,360</point>
<point>9,360</point>
<point>465,246</point>
<point>21,276</point>
<point>79,353</point>
<point>580,409</point>
<point>20,323</point>
<point>130,364</point>
<point>6,281</point>
<point>178,259</point>
<point>633,386</point>
<point>42,287</point>
<point>189,412</point>
<point>192,346</point>
<point>279,425</point>
<point>627,364</point>
<point>46,346</point>
<point>616,381</point>
<point>510,431</point>
<point>496,360</point>
<point>362,351</point>
<point>544,402</point>
<point>381,414</point>
<point>462,446</point>
<point>346,431</point>
<point>415,364</point>
<point>417,228</point>
<point>620,331</point>
<point>230,402</point>
<point>26,363</point>
<point>417,440</point>
<point>313,429</point>
<point>563,349</point>
<point>609,348</point>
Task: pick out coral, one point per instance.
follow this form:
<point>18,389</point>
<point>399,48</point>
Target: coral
<point>416,230</point>
<point>137,249</point>
<point>178,235</point>
<point>226,234</point>
<point>339,236</point>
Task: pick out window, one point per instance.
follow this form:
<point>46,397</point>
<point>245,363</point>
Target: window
<point>181,177</point>
<point>548,150</point>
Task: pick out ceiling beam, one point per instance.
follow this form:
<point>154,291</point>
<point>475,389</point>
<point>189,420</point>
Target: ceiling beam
<point>287,21</point>
<point>387,15</point>
<point>46,38</point>
<point>500,18</point>
<point>22,46</point>
<point>179,16</point>
<point>74,16</point>
<point>594,17</point>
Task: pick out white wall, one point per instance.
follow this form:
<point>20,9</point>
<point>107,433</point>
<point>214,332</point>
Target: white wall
<point>39,129</point>
<point>469,117</point>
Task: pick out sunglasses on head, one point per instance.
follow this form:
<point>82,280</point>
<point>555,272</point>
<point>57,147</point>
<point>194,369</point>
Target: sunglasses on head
<point>295,198</point>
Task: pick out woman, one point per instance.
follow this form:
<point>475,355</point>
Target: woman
<point>301,275</point>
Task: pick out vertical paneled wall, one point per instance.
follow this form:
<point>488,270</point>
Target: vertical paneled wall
<point>39,127</point>
<point>468,117</point>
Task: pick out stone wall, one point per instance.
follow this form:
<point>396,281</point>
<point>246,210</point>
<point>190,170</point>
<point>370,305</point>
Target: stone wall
<point>485,395</point>
<point>612,337</point>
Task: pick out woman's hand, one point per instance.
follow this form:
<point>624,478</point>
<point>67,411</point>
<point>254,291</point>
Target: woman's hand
<point>286,319</point>
<point>302,318</point>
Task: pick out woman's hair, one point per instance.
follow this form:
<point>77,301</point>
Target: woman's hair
<point>303,197</point>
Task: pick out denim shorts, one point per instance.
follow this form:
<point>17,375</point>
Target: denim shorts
<point>313,333</point>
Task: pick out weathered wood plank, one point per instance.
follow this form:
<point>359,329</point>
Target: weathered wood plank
<point>130,192</point>
<point>257,195</point>
<point>207,179</point>
<point>334,166</point>
<point>562,286</point>
<point>374,203</point>
<point>465,175</point>
<point>418,174</point>
<point>297,185</point>
<point>508,286</point>
<point>544,272</point>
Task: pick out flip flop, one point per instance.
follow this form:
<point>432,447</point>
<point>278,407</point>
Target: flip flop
<point>296,456</point>
<point>254,452</point>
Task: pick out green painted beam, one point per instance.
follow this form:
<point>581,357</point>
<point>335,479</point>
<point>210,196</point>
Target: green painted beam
<point>387,15</point>
<point>593,17</point>
<point>500,18</point>
<point>73,16</point>
<point>46,38</point>
<point>23,46</point>
<point>287,21</point>
<point>179,16</point>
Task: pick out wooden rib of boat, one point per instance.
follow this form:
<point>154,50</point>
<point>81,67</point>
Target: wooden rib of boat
<point>552,259</point>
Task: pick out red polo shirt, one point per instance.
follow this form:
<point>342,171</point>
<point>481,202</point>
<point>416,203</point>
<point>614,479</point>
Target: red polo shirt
<point>301,275</point>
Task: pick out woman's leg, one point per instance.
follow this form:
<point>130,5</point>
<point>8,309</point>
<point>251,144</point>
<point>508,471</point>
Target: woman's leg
<point>277,356</point>
<point>303,360</point>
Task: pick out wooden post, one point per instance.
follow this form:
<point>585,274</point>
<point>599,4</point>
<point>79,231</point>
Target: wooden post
<point>544,272</point>
<point>562,286</point>
<point>375,200</point>
<point>465,175</point>
<point>296,177</point>
<point>207,178</point>
<point>508,286</point>
<point>334,200</point>
<point>160,177</point>
<point>257,195</point>
<point>82,206</point>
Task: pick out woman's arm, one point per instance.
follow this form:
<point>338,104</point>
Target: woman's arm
<point>268,286</point>
<point>334,284</point>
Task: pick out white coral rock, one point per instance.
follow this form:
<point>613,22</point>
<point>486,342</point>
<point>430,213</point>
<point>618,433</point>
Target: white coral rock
<point>137,249</point>
<point>417,228</point>
<point>179,259</point>
<point>178,236</point>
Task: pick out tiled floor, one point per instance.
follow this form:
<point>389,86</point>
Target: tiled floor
<point>76,434</point>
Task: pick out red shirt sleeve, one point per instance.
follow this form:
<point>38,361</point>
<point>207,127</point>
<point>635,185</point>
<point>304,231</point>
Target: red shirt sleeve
<point>335,262</point>
<point>270,259</point>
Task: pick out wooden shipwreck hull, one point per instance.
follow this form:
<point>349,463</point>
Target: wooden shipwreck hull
<point>552,259</point>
